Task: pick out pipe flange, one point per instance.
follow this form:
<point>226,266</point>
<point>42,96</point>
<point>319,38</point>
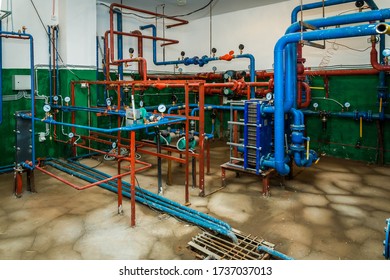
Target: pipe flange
<point>297,148</point>
<point>298,127</point>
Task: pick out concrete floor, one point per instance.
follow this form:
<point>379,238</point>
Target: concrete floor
<point>334,210</point>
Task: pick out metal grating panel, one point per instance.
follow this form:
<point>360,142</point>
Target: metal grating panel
<point>209,246</point>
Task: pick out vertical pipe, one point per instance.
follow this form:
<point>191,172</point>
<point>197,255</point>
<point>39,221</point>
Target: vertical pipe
<point>201,138</point>
<point>159,162</point>
<point>187,114</point>
<point>120,196</point>
<point>120,48</point>
<point>97,58</point>
<point>32,74</point>
<point>57,65</point>
<point>50,54</point>
<point>132,169</point>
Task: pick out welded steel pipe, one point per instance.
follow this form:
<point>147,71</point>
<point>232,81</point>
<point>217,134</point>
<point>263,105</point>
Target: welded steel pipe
<point>280,103</point>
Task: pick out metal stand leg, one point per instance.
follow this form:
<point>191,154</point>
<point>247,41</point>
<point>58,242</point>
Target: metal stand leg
<point>266,191</point>
<point>18,189</point>
<point>30,181</point>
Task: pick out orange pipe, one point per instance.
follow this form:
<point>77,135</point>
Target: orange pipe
<point>374,59</point>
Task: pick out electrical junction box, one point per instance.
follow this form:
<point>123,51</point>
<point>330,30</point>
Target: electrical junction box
<point>21,82</point>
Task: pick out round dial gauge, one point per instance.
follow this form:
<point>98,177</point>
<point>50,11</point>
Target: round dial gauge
<point>113,145</point>
<point>315,105</point>
<point>70,135</point>
<point>47,108</point>
<point>55,98</point>
<point>347,105</point>
<point>141,103</point>
<point>67,99</point>
<point>268,96</point>
<point>161,108</point>
<point>108,101</point>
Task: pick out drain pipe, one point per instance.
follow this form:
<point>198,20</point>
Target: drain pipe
<point>279,51</point>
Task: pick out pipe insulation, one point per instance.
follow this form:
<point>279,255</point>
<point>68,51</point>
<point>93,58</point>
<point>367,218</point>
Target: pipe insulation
<point>145,197</point>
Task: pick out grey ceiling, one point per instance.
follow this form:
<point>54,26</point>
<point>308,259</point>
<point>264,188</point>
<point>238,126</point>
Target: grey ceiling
<point>179,7</point>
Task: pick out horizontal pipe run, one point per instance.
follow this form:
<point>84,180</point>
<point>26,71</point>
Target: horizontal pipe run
<point>161,198</point>
<point>274,253</point>
<point>79,188</point>
<point>165,205</point>
<point>163,121</point>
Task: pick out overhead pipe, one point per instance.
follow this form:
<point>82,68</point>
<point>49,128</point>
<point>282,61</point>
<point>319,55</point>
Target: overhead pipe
<point>204,59</point>
<point>316,5</point>
<point>282,103</point>
<point>120,6</point>
<point>325,22</point>
<point>155,201</point>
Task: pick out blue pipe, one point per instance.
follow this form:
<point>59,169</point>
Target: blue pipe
<point>316,5</point>
<point>274,253</point>
<point>57,65</point>
<point>120,49</point>
<point>7,168</point>
<point>279,51</point>
<point>164,121</point>
<point>200,61</point>
<point>193,216</point>
<point>356,115</point>
<point>161,198</point>
<point>50,76</point>
<point>97,58</point>
<point>121,113</point>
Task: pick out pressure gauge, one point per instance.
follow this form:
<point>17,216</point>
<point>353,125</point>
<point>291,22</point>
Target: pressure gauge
<point>268,96</point>
<point>347,105</point>
<point>70,135</point>
<point>67,99</point>
<point>141,103</point>
<point>161,108</point>
<point>315,105</point>
<point>113,145</point>
<point>214,69</point>
<point>47,108</point>
<point>55,98</point>
<point>108,101</point>
<point>386,52</point>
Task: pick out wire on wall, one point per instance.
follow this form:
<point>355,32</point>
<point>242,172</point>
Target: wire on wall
<point>47,33</point>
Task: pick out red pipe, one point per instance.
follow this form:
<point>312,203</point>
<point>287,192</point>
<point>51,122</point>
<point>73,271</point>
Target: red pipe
<point>82,187</point>
<point>308,95</point>
<point>374,59</point>
<point>112,32</point>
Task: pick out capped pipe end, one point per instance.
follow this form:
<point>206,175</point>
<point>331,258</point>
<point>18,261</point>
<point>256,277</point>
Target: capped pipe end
<point>383,28</point>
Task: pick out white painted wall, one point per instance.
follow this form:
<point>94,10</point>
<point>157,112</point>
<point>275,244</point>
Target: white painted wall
<point>258,29</point>
<point>77,21</point>
<point>16,52</point>
<point>77,31</point>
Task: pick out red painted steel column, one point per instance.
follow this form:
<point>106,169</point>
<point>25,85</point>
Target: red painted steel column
<point>132,175</point>
<point>201,139</point>
<point>187,154</point>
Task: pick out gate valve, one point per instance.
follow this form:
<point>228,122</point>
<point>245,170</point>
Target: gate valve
<point>228,57</point>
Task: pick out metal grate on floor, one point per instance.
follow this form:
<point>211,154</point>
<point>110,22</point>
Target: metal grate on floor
<point>209,246</point>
